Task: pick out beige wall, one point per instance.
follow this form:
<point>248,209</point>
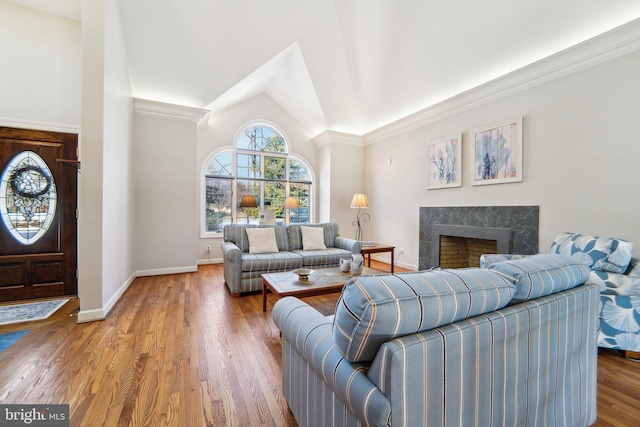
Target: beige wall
<point>581,156</point>
<point>41,70</point>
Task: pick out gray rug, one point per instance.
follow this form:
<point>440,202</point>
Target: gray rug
<point>27,312</point>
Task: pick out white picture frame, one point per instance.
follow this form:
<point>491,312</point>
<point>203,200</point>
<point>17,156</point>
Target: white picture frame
<point>497,152</point>
<point>444,162</point>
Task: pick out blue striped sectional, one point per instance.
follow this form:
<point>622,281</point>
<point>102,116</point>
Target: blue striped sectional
<point>447,348</point>
<point>616,273</point>
<point>243,270</point>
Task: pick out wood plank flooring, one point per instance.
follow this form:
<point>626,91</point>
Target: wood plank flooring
<point>177,350</point>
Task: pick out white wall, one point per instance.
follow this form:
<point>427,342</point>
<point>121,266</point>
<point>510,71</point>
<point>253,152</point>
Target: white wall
<point>41,70</point>
<point>118,208</point>
<point>341,176</point>
<point>166,194</point>
<point>581,154</point>
<point>106,210</point>
<point>90,193</point>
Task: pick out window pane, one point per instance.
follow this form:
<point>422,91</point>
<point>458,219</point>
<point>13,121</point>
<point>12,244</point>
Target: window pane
<point>297,171</point>
<point>274,199</point>
<point>261,138</point>
<point>244,187</point>
<point>302,215</point>
<point>28,197</point>
<point>218,203</point>
<point>220,165</point>
<point>248,166</point>
<point>274,167</point>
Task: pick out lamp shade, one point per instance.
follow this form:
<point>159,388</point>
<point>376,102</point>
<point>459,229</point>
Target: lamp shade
<point>291,203</point>
<point>248,201</point>
<point>359,201</point>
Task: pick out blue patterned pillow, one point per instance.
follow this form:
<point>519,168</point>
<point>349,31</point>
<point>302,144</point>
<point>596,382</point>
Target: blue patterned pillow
<point>376,308</point>
<point>598,253</point>
<point>544,274</point>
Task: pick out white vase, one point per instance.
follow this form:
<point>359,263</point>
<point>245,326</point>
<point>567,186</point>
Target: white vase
<point>357,264</point>
<point>345,264</point>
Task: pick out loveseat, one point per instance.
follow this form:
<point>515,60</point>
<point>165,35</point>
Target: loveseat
<point>275,248</point>
<point>510,345</point>
<point>616,272</point>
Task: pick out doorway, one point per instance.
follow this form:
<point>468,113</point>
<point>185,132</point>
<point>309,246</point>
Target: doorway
<point>38,214</point>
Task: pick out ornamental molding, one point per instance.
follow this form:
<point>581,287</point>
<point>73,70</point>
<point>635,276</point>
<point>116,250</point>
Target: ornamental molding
<point>332,137</point>
<point>605,47</point>
<point>150,108</point>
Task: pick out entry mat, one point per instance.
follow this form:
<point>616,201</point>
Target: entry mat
<point>17,313</point>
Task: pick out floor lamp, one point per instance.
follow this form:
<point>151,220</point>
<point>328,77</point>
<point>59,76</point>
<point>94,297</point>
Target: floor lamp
<point>360,201</point>
<point>247,201</point>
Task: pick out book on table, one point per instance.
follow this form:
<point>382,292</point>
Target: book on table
<point>367,243</point>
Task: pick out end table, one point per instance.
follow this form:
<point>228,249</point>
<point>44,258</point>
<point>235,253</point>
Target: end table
<point>368,250</point>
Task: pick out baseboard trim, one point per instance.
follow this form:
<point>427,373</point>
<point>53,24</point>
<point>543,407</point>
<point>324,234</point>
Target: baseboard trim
<point>209,261</point>
<point>102,313</point>
<point>386,260</point>
<point>163,271</point>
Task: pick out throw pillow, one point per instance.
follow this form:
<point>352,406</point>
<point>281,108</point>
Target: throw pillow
<point>262,240</point>
<point>312,238</point>
<point>543,274</point>
<point>598,253</point>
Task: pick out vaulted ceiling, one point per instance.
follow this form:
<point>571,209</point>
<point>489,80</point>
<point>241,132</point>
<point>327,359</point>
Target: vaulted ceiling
<point>343,65</point>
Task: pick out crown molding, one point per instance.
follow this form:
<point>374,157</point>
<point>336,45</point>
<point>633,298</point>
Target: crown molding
<point>148,107</point>
<point>607,46</point>
<point>332,137</point>
<point>49,127</point>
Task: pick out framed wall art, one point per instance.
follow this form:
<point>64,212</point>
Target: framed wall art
<point>497,150</point>
<point>444,162</point>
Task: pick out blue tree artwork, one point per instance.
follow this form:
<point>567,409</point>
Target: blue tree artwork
<point>498,154</point>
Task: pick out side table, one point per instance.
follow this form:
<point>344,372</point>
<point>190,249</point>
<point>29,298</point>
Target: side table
<point>368,250</point>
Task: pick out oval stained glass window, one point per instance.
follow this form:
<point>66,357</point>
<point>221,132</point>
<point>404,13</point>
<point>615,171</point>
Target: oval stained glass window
<point>28,197</point>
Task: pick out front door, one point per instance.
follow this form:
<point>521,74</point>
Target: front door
<point>38,225</point>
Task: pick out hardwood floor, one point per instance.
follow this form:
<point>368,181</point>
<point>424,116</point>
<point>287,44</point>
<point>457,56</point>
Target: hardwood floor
<point>178,350</point>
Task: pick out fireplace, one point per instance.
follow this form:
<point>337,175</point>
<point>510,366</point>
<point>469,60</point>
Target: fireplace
<point>460,246</point>
<point>513,229</point>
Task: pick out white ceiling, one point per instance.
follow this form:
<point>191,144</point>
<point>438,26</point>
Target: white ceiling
<point>343,65</point>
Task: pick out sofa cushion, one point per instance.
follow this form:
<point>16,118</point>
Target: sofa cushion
<point>376,308</point>
<point>262,240</point>
<point>323,258</point>
<point>331,231</point>
<point>264,263</point>
<point>312,238</point>
<point>236,233</point>
<point>598,253</point>
<point>543,274</point>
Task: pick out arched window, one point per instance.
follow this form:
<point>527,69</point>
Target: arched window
<point>261,169</point>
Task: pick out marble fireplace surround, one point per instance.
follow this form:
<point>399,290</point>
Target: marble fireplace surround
<point>515,228</point>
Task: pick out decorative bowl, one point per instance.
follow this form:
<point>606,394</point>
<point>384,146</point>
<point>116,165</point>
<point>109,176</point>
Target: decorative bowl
<point>303,273</point>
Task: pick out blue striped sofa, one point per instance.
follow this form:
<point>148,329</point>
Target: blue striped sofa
<point>242,270</point>
<point>511,345</point>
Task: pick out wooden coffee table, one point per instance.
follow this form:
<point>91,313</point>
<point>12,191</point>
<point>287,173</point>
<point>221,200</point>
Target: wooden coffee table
<point>321,281</point>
